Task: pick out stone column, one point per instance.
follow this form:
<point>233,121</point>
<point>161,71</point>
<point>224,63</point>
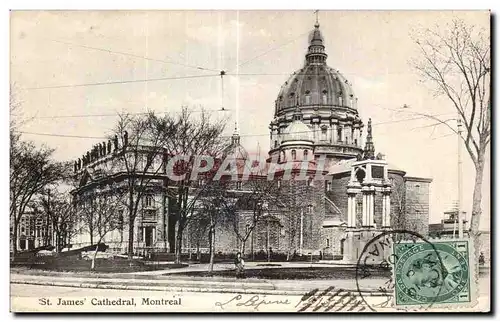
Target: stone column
<point>365,209</point>
<point>371,207</point>
<point>353,207</point>
<point>361,137</point>
<point>349,210</point>
<point>356,135</point>
<point>386,214</point>
<point>347,134</point>
<point>334,133</point>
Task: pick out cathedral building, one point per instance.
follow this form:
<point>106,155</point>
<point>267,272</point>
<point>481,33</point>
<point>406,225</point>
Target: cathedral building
<point>316,122</point>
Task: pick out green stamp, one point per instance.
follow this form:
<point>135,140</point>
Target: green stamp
<point>437,273</point>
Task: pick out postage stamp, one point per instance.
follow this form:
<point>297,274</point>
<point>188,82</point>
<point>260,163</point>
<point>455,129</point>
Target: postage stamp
<point>440,273</point>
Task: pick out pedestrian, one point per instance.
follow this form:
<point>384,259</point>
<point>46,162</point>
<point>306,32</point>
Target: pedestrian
<point>240,266</point>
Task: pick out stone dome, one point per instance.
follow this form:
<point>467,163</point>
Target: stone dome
<point>316,84</point>
<point>235,149</point>
<point>297,131</point>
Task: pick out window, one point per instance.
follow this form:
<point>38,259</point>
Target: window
<point>149,201</point>
<point>310,182</point>
<point>275,143</point>
<point>294,155</point>
<point>310,209</point>
<point>149,160</point>
<point>279,183</point>
<point>325,100</point>
<point>340,101</point>
<point>339,134</point>
<point>328,242</point>
<point>323,133</point>
<point>238,185</point>
<point>306,154</point>
<point>308,99</point>
<point>282,158</point>
<point>328,186</point>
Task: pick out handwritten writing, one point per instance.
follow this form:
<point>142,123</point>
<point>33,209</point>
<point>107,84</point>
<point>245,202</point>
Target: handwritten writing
<point>255,301</point>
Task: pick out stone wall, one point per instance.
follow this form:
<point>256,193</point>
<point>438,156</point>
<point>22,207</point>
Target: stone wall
<point>417,204</point>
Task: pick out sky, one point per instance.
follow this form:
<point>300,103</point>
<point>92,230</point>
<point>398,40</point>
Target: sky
<point>58,59</point>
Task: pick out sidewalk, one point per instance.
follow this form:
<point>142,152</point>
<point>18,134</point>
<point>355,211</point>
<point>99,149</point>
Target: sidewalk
<point>230,266</point>
<point>186,284</point>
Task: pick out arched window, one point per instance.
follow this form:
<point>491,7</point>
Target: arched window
<point>294,155</point>
<point>282,158</point>
<point>149,201</point>
<point>323,133</point>
<point>310,209</point>
<point>306,154</point>
<point>324,98</point>
<point>339,134</point>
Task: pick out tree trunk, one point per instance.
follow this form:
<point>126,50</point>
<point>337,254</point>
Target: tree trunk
<point>130,249</point>
<point>14,240</point>
<point>92,267</point>
<point>178,243</point>
<point>476,205</point>
<point>242,248</point>
<point>212,248</point>
<point>131,221</point>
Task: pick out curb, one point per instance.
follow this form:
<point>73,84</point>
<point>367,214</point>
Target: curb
<point>139,287</point>
<point>161,288</point>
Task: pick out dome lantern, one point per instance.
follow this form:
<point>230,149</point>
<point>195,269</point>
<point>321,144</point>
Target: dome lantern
<point>316,50</point>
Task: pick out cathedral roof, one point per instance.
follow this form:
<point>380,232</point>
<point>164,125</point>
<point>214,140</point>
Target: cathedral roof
<point>316,83</point>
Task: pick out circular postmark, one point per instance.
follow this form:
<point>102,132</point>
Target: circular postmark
<point>396,265</point>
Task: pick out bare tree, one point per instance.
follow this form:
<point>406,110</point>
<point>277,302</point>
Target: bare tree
<point>31,170</point>
<point>60,216</point>
<point>257,193</point>
<point>195,137</point>
<point>100,213</point>
<point>456,62</point>
<point>142,158</point>
<point>215,204</point>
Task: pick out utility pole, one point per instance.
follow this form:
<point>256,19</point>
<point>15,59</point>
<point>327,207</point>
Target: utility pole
<point>459,166</point>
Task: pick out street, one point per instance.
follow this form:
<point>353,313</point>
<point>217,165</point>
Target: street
<point>32,298</point>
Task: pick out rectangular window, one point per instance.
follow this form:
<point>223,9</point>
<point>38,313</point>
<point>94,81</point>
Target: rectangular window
<point>328,186</point>
<point>328,242</point>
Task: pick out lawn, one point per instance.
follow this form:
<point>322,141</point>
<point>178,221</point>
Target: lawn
<point>290,273</point>
<point>103,265</point>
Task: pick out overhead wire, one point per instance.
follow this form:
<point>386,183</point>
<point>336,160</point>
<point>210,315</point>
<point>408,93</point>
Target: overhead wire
<point>133,55</point>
